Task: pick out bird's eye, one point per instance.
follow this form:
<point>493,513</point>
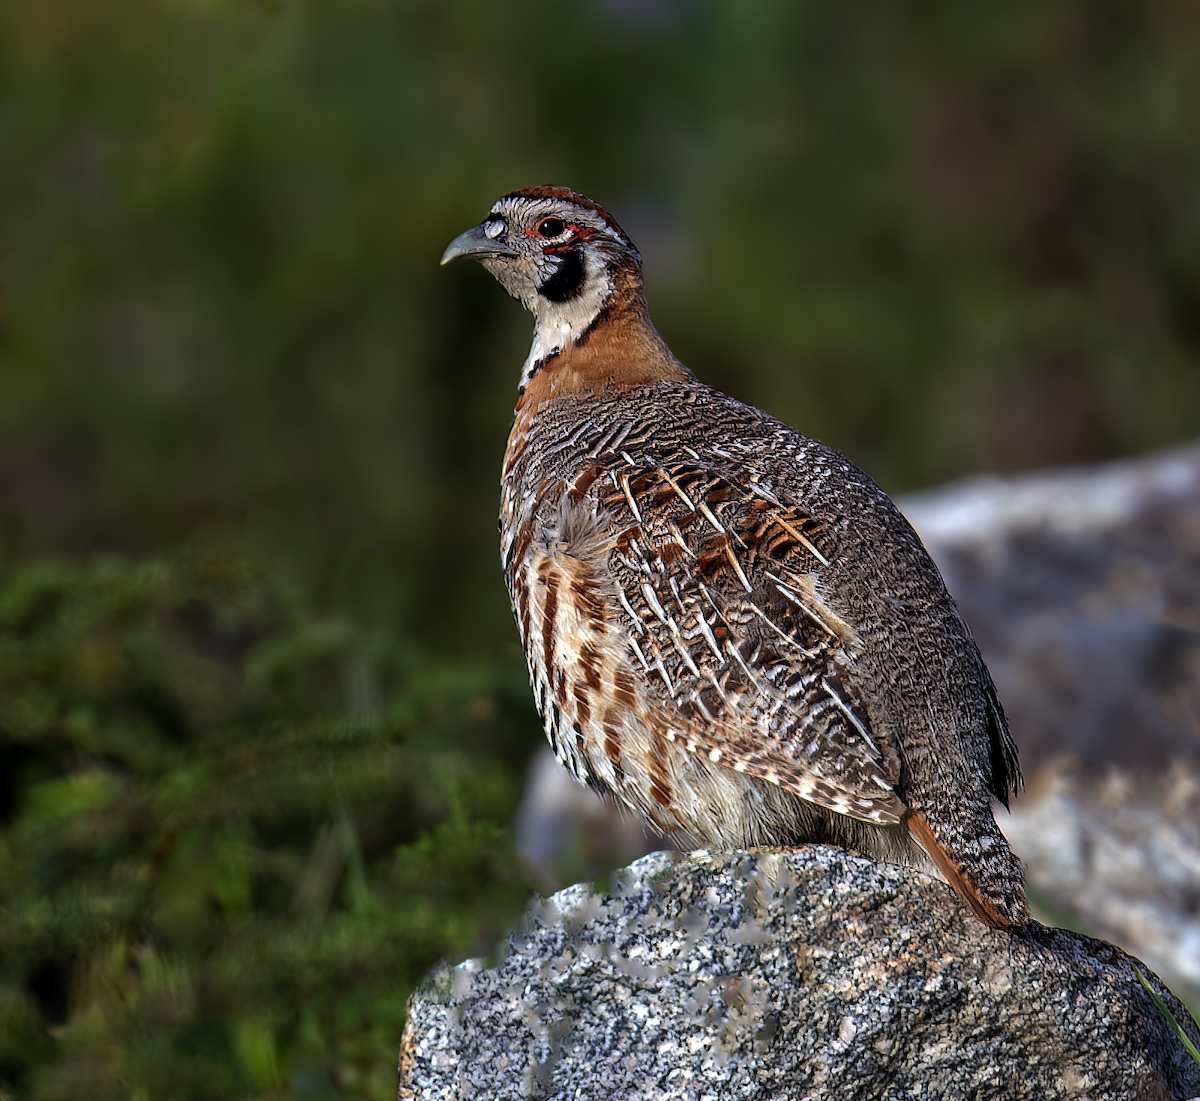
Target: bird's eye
<point>551,227</point>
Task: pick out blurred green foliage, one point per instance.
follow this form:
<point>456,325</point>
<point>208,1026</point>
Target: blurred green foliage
<point>244,807</point>
<point>237,833</point>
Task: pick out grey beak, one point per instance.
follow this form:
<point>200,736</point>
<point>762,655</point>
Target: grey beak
<point>476,244</point>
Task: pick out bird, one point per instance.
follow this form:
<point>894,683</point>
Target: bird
<point>731,631</point>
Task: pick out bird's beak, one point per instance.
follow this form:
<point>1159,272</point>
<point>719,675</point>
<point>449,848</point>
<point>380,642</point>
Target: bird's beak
<point>476,244</point>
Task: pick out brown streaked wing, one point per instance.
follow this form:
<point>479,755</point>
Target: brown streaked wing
<point>745,663</point>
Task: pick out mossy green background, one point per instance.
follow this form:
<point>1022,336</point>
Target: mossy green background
<point>262,716</point>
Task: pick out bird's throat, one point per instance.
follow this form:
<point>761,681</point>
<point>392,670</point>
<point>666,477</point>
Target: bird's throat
<point>599,340</point>
<point>561,323</point>
<point>620,350</point>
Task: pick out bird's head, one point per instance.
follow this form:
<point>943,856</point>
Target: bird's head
<point>569,262</point>
<point>549,247</point>
<point>561,255</point>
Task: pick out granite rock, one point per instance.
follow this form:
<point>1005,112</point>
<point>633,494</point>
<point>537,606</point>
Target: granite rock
<point>808,974</point>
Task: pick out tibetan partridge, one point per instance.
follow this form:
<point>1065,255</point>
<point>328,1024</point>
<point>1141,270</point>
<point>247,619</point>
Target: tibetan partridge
<point>730,629</point>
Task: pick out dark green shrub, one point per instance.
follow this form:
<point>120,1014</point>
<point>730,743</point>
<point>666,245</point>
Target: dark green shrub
<point>235,834</point>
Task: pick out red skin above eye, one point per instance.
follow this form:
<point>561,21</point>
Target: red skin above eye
<point>579,233</point>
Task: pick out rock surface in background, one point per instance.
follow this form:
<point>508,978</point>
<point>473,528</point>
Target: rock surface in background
<point>803,975</point>
<point>1082,588</point>
<point>1122,852</point>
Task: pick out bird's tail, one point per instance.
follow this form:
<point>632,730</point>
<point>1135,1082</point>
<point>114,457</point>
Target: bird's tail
<point>984,871</point>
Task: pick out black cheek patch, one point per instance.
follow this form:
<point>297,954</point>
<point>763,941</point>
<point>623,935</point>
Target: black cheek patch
<point>567,281</point>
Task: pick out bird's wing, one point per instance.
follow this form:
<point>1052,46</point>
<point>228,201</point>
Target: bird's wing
<point>748,665</point>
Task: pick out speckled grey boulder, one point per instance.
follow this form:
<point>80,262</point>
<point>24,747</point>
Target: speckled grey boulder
<point>804,975</point>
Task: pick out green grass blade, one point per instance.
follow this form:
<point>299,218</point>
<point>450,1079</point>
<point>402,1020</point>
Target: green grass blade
<point>1162,1008</point>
